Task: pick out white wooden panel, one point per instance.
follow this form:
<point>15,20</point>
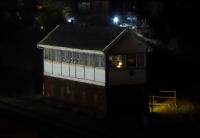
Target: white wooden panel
<point>72,70</point>
<point>47,66</point>
<point>89,73</point>
<point>76,79</point>
<point>56,68</point>
<point>79,71</point>
<point>65,69</point>
<point>100,74</point>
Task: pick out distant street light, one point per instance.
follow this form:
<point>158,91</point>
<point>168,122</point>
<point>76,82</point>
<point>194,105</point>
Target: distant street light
<point>70,19</point>
<point>116,20</point>
<point>41,27</point>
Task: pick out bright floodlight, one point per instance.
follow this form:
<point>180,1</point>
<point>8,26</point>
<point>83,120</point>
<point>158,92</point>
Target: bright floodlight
<point>69,20</point>
<point>116,19</point>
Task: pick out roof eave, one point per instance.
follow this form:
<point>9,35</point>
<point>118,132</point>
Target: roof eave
<point>47,35</point>
<point>114,41</point>
<point>71,49</point>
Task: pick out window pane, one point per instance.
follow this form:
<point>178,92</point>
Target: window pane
<point>71,57</point>
<point>102,61</point>
<point>48,54</point>
<point>131,60</point>
<point>97,61</point>
<point>117,61</point>
<point>66,57</point>
<point>45,54</point>
<point>63,56</point>
<point>140,60</point>
<point>80,57</point>
<point>90,59</point>
<point>56,55</point>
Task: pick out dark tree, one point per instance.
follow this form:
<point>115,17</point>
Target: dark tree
<point>169,19</point>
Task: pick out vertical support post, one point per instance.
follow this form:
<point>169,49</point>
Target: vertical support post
<point>75,63</point>
<point>52,60</point>
<point>175,97</point>
<point>69,69</point>
<point>84,70</point>
<point>61,68</point>
<point>94,65</point>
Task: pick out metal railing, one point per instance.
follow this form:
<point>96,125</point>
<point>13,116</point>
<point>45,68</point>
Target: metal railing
<point>163,98</point>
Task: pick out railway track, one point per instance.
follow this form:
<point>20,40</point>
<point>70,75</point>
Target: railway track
<point>51,122</point>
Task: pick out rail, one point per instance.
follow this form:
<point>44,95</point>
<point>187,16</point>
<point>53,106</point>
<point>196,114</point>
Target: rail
<point>163,99</point>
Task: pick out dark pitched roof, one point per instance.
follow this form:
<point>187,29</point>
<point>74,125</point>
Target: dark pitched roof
<point>81,37</point>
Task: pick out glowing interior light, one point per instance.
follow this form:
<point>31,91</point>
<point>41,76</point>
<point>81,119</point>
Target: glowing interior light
<point>119,65</point>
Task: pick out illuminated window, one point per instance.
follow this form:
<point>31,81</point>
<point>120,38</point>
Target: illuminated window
<point>117,61</point>
<point>131,60</point>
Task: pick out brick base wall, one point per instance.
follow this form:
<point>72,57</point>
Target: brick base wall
<point>76,94</point>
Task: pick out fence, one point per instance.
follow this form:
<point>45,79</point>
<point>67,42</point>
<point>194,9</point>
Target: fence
<point>162,101</point>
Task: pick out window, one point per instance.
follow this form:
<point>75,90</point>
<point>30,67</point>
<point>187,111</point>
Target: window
<point>65,56</point>
<point>117,61</point>
<point>89,59</point>
<point>77,58</point>
<point>56,54</point>
<point>80,58</point>
<point>48,54</point>
<point>140,60</point>
<point>99,61</point>
<point>131,60</point>
<point>72,56</point>
<point>103,61</point>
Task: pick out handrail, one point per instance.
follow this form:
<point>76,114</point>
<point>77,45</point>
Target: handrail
<point>157,100</point>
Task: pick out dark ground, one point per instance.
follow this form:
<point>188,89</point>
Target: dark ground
<point>37,117</point>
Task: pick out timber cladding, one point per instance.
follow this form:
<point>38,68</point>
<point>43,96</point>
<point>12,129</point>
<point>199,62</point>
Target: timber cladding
<point>76,94</point>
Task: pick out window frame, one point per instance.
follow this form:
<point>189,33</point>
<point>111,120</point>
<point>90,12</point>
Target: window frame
<point>48,54</point>
<point>123,59</point>
<point>57,55</point>
<point>126,56</point>
<point>127,62</point>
